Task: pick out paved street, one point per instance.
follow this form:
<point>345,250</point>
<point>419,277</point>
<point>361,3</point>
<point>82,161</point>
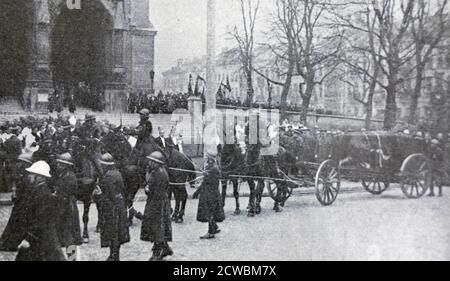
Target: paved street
<point>358,226</point>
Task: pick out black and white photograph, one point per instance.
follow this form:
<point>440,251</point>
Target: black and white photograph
<point>224,131</point>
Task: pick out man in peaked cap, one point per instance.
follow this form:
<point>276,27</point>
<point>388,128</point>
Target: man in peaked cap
<point>68,220</point>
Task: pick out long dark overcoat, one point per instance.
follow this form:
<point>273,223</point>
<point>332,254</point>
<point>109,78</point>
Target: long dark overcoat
<point>41,230</point>
<point>15,230</point>
<point>157,226</point>
<point>68,224</point>
<point>210,200</point>
<point>113,209</point>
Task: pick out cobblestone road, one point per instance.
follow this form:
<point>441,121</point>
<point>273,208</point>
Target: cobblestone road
<point>358,226</point>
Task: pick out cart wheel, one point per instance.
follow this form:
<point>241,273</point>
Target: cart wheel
<point>415,176</point>
<point>328,182</point>
<point>272,187</point>
<point>374,185</point>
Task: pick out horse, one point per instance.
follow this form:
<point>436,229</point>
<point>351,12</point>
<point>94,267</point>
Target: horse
<point>231,161</point>
<point>88,171</point>
<point>181,171</point>
<point>133,167</point>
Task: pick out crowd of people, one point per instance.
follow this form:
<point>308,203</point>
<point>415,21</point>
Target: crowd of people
<point>170,101</point>
<point>39,165</point>
<point>160,103</point>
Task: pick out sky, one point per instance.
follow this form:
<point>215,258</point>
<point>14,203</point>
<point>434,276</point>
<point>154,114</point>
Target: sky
<point>181,26</point>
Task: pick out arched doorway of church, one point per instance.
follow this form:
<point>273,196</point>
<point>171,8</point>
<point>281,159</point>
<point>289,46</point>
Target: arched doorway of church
<point>80,43</point>
<point>16,21</point>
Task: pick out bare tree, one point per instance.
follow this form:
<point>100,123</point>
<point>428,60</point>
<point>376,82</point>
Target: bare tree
<point>427,29</point>
<point>246,40</point>
<point>283,34</point>
<point>391,49</point>
<point>360,58</point>
<point>304,46</point>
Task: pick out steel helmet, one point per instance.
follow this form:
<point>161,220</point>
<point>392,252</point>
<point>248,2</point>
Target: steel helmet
<point>40,168</point>
<point>89,117</point>
<point>26,157</point>
<point>157,157</point>
<point>107,159</point>
<point>144,112</point>
<point>435,142</point>
<point>65,158</point>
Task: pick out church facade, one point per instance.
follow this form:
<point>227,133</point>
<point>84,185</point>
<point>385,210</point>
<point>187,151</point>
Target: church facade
<point>108,42</point>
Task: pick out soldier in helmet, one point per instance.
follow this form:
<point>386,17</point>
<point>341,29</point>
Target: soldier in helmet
<point>68,226</point>
<point>156,224</point>
<point>89,135</point>
<point>145,128</point>
<point>40,240</point>
<point>113,211</point>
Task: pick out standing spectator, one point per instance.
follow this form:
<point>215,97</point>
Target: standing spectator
<point>40,242</point>
<point>16,227</point>
<point>58,103</point>
<point>210,207</point>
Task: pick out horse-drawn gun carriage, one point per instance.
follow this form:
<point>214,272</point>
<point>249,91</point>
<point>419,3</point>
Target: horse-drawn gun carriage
<point>376,159</point>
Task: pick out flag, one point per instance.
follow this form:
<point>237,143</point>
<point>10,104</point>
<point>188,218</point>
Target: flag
<point>200,78</point>
<point>190,92</point>
<point>220,92</point>
<point>228,86</point>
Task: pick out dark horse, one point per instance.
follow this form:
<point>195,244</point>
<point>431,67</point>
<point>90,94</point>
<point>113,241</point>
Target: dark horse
<point>231,162</point>
<point>252,166</point>
<point>86,170</point>
<point>132,164</point>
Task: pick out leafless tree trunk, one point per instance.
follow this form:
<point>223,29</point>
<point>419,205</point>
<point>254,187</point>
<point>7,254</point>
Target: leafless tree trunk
<point>246,40</point>
<point>302,49</point>
<point>427,29</point>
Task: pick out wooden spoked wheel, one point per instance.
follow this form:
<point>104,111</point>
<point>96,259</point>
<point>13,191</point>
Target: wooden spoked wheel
<point>328,182</point>
<point>374,185</point>
<point>273,188</point>
<point>415,176</point>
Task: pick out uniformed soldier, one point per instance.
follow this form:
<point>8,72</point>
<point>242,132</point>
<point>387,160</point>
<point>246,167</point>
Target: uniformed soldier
<point>68,226</point>
<point>145,127</point>
<point>113,211</point>
<point>156,223</point>
<point>89,134</point>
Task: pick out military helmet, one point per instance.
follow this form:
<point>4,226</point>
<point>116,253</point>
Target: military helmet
<point>89,117</point>
<point>435,142</point>
<point>157,157</point>
<point>144,112</point>
<point>40,168</point>
<point>107,159</point>
<point>26,157</point>
<point>65,158</point>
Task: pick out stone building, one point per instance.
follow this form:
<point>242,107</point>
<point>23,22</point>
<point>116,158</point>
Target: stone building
<point>109,43</point>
